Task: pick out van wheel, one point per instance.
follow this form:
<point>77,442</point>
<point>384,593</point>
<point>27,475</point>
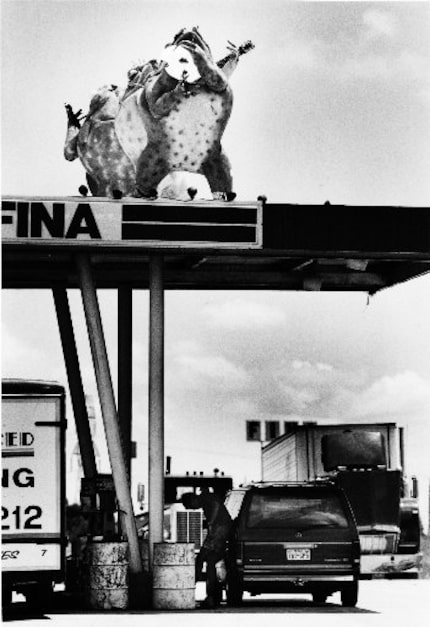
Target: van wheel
<point>319,597</point>
<point>349,595</point>
<point>234,591</point>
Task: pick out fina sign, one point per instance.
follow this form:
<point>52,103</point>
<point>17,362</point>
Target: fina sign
<point>104,222</point>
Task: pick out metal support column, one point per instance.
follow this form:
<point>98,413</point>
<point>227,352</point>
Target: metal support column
<point>125,370</point>
<point>107,403</point>
<point>76,387</point>
<point>156,402</point>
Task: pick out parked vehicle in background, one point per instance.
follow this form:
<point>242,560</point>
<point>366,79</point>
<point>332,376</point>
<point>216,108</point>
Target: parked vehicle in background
<point>33,488</point>
<point>292,538</point>
<point>367,461</point>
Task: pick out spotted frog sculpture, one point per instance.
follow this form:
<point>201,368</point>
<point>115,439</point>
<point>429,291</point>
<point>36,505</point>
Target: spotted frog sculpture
<point>160,125</point>
<point>185,121</point>
<point>95,142</point>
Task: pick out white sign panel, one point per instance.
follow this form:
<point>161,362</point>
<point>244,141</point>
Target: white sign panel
<point>31,481</point>
<point>24,557</point>
<point>131,222</point>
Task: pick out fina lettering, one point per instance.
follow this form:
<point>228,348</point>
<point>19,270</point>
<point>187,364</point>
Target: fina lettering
<point>33,219</point>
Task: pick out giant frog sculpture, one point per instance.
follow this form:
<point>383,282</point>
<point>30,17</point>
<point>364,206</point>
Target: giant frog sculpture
<point>164,123</point>
<point>185,121</point>
<point>109,169</point>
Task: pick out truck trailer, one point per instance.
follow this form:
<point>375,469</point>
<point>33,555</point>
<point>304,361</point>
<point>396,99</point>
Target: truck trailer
<point>367,461</point>
<point>33,489</point>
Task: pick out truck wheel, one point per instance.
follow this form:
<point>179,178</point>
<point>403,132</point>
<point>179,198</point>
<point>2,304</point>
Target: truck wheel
<point>319,597</point>
<point>39,596</point>
<point>349,595</point>
<point>6,596</point>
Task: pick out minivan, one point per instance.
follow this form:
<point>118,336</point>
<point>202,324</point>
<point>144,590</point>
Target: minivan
<point>292,538</point>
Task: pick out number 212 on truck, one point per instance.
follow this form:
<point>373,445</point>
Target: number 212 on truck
<point>33,487</point>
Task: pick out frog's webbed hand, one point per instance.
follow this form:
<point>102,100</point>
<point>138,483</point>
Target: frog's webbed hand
<point>161,99</point>
<point>73,119</point>
<point>209,71</point>
<point>201,42</point>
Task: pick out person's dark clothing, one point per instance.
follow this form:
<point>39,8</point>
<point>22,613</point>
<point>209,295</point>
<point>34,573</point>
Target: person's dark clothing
<point>219,523</point>
<point>213,549</point>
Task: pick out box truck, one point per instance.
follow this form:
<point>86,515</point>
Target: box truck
<point>33,488</point>
<point>367,461</point>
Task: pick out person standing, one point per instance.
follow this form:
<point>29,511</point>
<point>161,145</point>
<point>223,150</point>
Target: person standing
<point>212,551</point>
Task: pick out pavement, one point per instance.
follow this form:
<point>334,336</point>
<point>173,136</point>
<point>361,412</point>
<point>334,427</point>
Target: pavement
<point>383,603</point>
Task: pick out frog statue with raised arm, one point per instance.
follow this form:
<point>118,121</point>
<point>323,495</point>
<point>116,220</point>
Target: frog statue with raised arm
<point>186,113</point>
<point>92,138</point>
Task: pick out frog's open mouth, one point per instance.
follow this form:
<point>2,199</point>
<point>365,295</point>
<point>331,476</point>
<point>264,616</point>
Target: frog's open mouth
<point>187,35</point>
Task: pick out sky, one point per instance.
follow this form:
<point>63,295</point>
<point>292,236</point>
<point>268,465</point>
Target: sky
<point>332,104</point>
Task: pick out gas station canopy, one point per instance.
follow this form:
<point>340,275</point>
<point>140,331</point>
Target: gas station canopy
<point>213,245</point>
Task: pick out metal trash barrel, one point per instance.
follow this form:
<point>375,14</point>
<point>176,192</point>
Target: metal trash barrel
<point>173,571</point>
<point>107,575</point>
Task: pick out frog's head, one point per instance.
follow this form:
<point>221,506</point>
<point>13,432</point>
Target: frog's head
<point>180,62</point>
<point>104,104</point>
<point>191,35</point>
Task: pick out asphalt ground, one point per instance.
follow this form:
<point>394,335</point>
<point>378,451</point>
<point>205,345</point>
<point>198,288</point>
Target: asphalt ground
<point>381,602</point>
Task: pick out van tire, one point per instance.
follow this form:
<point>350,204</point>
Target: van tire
<point>349,595</point>
<point>319,597</point>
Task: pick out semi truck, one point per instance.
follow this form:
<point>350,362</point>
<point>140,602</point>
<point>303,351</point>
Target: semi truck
<point>33,488</point>
<point>367,461</point>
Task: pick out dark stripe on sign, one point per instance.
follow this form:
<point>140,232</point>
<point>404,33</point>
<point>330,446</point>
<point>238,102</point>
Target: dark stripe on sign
<point>34,538</point>
<point>188,233</point>
<point>18,453</point>
<point>219,215</point>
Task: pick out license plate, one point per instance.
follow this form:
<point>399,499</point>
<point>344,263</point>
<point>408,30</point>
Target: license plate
<point>298,554</point>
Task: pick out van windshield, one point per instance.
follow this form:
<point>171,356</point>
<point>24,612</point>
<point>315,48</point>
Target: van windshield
<point>291,512</point>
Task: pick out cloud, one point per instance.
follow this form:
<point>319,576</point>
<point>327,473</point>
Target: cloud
<point>18,358</point>
<point>243,314</point>
<point>297,54</point>
<point>375,52</point>
<point>403,396</point>
<point>405,65</point>
<point>320,391</point>
<point>380,23</point>
<point>300,365</point>
<point>203,372</point>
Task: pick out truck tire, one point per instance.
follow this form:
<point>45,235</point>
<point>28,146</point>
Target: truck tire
<point>349,595</point>
<point>6,595</point>
<point>40,595</point>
